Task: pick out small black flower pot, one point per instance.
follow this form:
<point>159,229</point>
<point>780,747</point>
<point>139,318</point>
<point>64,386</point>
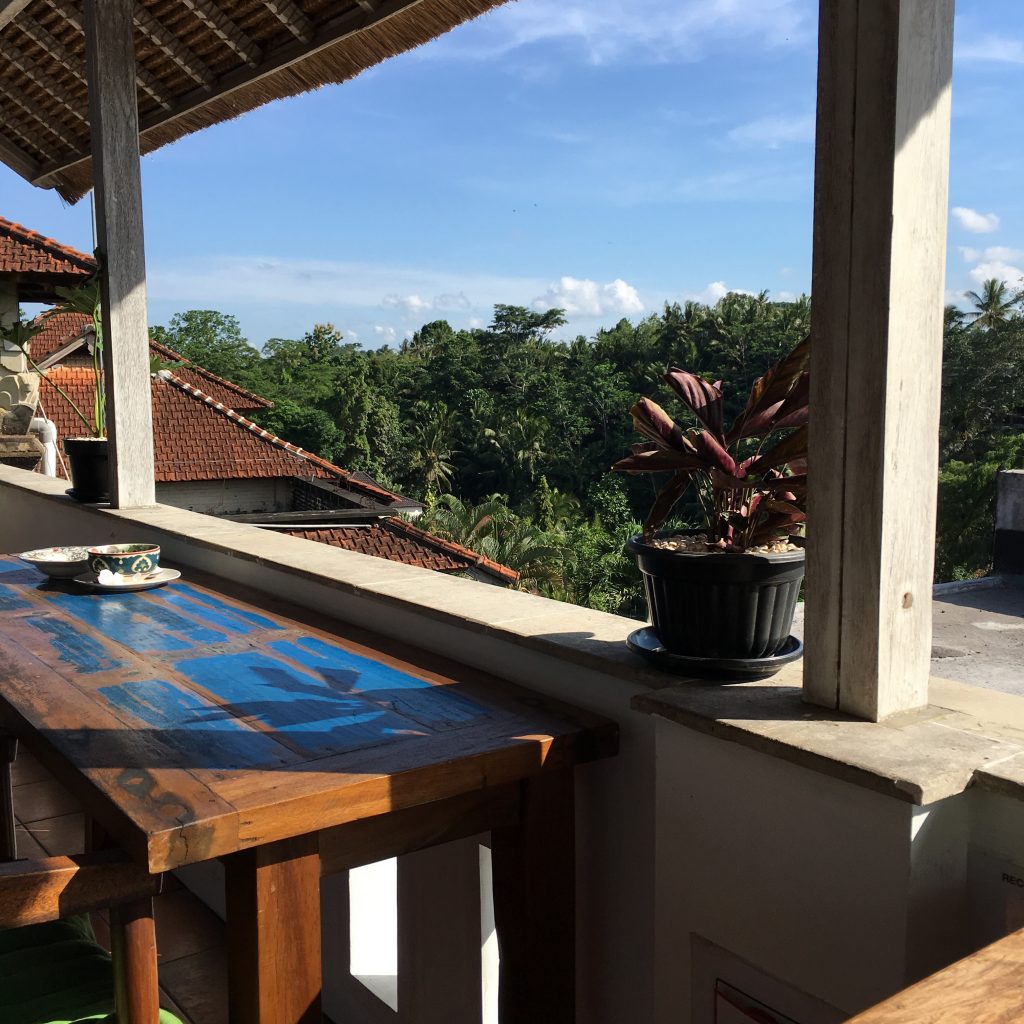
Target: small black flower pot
<point>87,463</point>
<point>723,605</point>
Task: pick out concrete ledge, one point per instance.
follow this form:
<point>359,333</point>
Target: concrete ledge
<point>593,640</point>
<point>965,738</point>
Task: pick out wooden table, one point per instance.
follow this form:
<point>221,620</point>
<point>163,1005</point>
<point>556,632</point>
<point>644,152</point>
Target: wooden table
<point>201,721</point>
<point>986,987</point>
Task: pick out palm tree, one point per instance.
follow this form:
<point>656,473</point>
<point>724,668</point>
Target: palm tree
<point>994,305</point>
<point>433,451</point>
<point>491,529</point>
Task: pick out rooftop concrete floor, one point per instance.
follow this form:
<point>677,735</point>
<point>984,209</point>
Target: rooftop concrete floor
<point>978,635</point>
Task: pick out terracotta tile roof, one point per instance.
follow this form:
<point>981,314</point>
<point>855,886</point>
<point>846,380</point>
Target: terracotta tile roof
<point>399,541</point>
<point>197,438</point>
<point>220,390</point>
<point>57,332</point>
<point>310,464</point>
<point>26,252</point>
<point>60,329</point>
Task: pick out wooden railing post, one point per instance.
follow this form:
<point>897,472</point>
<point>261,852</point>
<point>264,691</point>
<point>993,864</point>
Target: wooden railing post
<point>880,209</point>
<point>114,125</point>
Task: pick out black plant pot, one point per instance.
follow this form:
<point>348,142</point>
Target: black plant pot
<point>721,605</point>
<point>87,462</point>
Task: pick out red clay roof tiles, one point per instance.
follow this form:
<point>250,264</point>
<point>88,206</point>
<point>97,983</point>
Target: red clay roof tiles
<point>60,329</point>
<point>27,252</point>
<point>399,541</point>
<point>197,438</point>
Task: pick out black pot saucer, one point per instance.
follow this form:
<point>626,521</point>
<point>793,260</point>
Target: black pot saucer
<point>645,642</point>
<point>70,492</point>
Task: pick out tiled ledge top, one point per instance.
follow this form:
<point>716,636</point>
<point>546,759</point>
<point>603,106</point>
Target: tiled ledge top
<point>968,736</point>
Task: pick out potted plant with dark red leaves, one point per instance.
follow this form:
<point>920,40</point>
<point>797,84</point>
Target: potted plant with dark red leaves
<point>722,597</point>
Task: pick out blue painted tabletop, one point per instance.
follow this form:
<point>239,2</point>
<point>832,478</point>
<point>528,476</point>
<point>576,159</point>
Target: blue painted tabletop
<point>198,719</point>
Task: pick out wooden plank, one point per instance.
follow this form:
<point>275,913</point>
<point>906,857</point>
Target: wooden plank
<point>18,160</point>
<point>133,950</point>
<point>8,822</point>
<point>10,9</point>
<point>369,840</point>
<point>114,119</point>
<point>273,903</point>
<point>32,892</point>
<point>880,229</point>
<point>535,905</point>
<point>833,221</point>
<point>984,988</point>
<point>163,816</point>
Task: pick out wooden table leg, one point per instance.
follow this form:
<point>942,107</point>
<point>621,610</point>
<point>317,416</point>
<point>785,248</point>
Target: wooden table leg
<point>9,833</point>
<point>533,865</point>
<point>273,904</point>
<point>133,945</point>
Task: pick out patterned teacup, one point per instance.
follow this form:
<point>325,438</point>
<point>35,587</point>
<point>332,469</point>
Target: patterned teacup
<point>124,559</point>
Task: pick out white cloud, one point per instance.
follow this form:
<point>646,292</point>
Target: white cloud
<point>220,282</point>
<point>385,334</point>
<point>607,31</point>
<point>999,269</point>
<point>991,49</point>
<point>714,291</point>
<point>588,298</point>
<point>976,223</point>
<point>414,305</point>
<point>774,131</point>
<point>1002,253</point>
<point>969,254</point>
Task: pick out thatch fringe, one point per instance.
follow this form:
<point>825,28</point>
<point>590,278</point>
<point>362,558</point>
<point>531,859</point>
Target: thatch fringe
<point>338,63</point>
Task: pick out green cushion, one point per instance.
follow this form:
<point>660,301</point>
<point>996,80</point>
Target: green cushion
<point>56,973</point>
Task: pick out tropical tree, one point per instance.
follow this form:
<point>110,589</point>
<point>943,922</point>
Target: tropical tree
<point>993,305</point>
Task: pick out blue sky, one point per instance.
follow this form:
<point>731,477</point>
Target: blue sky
<point>601,156</point>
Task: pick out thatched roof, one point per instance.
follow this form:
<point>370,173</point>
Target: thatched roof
<point>199,62</point>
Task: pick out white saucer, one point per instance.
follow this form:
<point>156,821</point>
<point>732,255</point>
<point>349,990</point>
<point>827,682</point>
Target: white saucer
<point>155,579</point>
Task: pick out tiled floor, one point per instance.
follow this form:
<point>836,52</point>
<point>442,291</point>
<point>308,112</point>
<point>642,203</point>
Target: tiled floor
<point>190,937</point>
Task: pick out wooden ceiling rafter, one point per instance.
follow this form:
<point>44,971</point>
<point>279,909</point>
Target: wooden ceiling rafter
<point>292,18</point>
<point>197,63</point>
<point>147,82</point>
<point>43,79</point>
<point>174,48</point>
<point>225,30</point>
<point>46,120</point>
<point>27,166</point>
<point>10,9</point>
<point>47,41</point>
<point>27,140</point>
<point>241,77</point>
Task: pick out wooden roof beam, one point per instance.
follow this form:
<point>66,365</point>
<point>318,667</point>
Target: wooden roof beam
<point>53,46</point>
<point>225,30</point>
<point>16,150</point>
<point>45,81</point>
<point>15,157</point>
<point>147,82</point>
<point>10,9</point>
<point>46,120</point>
<point>176,50</point>
<point>292,18</point>
<point>274,60</point>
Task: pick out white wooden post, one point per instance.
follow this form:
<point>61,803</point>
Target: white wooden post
<point>114,123</point>
<point>880,209</point>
